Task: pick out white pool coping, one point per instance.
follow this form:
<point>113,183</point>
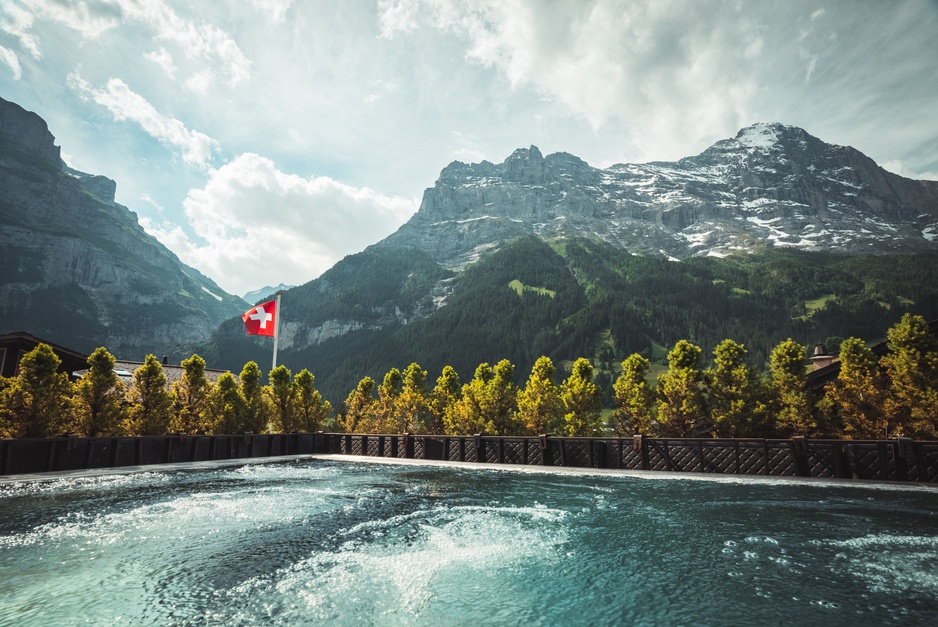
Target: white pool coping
<point>513,468</point>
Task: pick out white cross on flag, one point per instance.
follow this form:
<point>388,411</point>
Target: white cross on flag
<point>260,319</point>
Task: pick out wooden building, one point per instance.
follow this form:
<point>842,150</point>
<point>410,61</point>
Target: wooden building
<point>14,345</point>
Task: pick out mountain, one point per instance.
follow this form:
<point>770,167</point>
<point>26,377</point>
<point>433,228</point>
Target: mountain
<point>76,268</point>
<point>265,292</point>
<point>769,235</point>
<point>772,186</point>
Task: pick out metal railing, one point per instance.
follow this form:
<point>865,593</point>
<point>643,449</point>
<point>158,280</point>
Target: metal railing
<point>899,459</point>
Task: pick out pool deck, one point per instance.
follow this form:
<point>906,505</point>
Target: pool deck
<point>513,468</point>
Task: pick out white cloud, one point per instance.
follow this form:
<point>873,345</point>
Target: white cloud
<point>201,81</point>
<point>676,75</point>
<point>201,40</point>
<point>146,198</point>
<point>164,59</point>
<point>256,225</point>
<point>467,149</point>
<point>91,20</point>
<point>382,89</point>
<point>275,10</point>
<point>806,40</point>
<point>9,57</point>
<point>125,104</point>
<point>812,63</point>
<point>16,22</point>
<point>397,16</point>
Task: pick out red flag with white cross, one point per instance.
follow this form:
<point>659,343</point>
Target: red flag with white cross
<point>260,319</point>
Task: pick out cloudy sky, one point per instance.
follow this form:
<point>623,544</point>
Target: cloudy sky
<point>263,140</point>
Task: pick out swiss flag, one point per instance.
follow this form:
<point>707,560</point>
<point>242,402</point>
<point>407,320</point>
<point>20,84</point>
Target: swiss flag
<point>260,319</point>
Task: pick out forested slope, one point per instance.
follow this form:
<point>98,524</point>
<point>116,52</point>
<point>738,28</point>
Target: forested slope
<point>580,298</point>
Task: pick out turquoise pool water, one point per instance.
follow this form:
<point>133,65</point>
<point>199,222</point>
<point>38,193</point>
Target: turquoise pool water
<point>307,542</point>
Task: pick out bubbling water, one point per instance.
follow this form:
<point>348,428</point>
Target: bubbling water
<point>306,542</point>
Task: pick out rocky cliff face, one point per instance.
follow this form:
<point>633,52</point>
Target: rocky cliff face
<point>770,186</point>
<point>76,267</point>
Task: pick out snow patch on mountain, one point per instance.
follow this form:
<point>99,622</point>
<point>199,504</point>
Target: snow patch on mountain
<point>761,136</point>
<point>772,185</point>
<point>211,293</point>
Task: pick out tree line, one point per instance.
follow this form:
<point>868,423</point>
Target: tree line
<point>41,402</point>
<point>872,397</point>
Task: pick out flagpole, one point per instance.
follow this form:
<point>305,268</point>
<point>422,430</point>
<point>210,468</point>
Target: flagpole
<point>276,328</point>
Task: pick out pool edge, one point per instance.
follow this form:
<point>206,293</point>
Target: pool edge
<point>512,468</point>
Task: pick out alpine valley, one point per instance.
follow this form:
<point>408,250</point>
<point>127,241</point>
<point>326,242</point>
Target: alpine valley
<point>77,269</point>
<point>768,235</point>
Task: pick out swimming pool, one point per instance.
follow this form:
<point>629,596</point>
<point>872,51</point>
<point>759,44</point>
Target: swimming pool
<point>350,542</point>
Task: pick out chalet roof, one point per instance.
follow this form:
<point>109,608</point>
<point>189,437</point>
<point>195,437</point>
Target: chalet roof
<point>13,345</point>
<point>125,370</point>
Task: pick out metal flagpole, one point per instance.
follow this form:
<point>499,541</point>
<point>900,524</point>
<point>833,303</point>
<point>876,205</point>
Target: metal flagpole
<point>276,328</point>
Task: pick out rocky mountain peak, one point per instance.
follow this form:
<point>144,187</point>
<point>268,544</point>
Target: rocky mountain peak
<point>767,135</point>
<point>763,141</point>
<point>772,185</point>
<point>566,167</point>
<point>26,133</point>
<point>525,166</point>
<point>28,129</point>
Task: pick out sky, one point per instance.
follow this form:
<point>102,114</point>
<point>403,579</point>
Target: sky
<point>264,140</point>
